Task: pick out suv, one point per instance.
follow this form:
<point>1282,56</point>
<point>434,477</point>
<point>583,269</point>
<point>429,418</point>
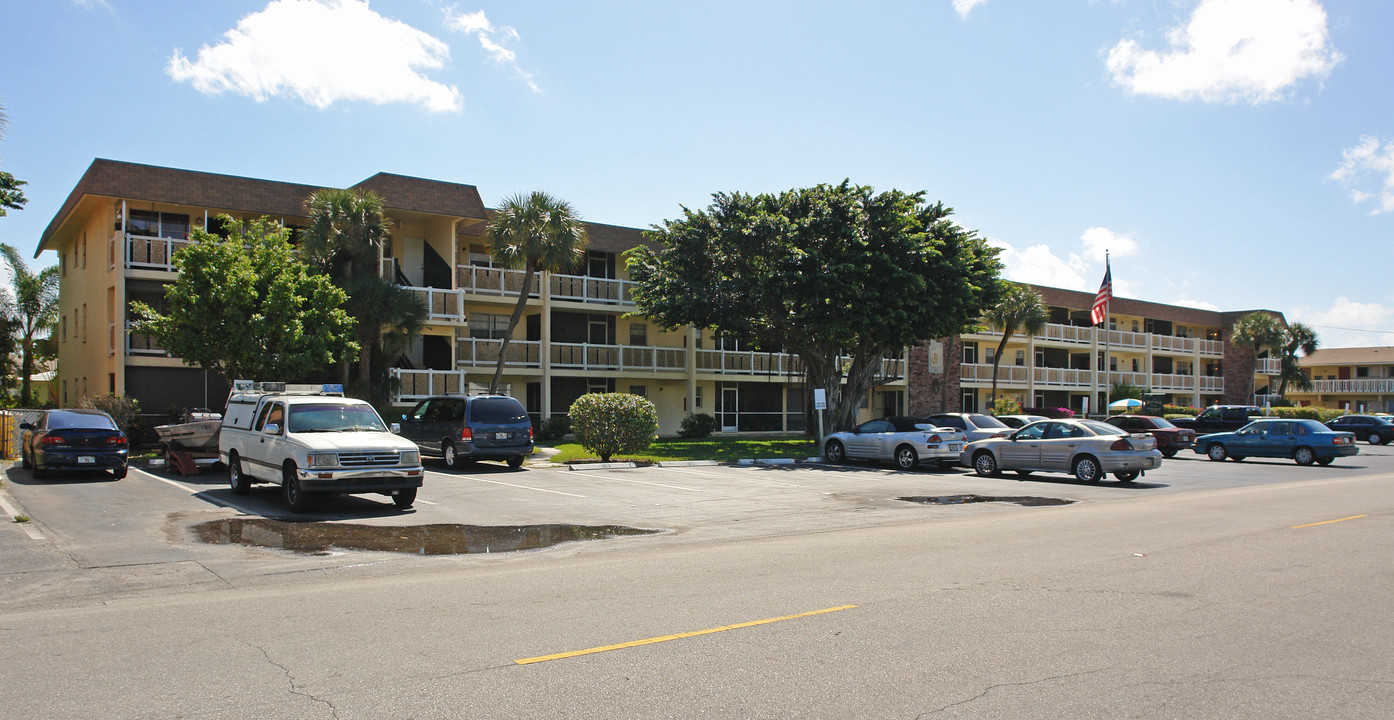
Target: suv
<point>1220,418</point>
<point>465,428</point>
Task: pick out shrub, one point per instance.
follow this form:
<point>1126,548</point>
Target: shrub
<point>697,426</point>
<point>1006,406</point>
<point>554,428</point>
<point>125,411</point>
<point>1305,413</point>
<point>1179,411</point>
<point>610,423</point>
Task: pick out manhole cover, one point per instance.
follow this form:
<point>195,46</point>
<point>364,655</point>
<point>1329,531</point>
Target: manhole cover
<point>964,499</point>
<point>316,538</point>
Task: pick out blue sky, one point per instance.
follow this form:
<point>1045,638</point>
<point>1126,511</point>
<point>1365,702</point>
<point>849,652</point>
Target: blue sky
<point>1230,154</point>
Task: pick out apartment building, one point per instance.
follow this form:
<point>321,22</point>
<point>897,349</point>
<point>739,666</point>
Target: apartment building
<point>117,232</point>
<point>1360,380</point>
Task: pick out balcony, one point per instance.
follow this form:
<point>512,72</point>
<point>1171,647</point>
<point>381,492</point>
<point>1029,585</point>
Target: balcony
<point>1268,366</point>
<point>483,352</point>
<point>569,288</point>
<point>153,253</point>
<point>633,358</point>
<point>1353,386</point>
<point>1068,333</point>
<point>137,344</point>
<point>1016,376</point>
<point>442,305</point>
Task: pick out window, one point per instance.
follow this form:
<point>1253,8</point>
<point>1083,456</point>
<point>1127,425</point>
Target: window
<point>488,327</point>
<point>988,354</point>
<point>65,327</point>
<point>84,250</point>
<point>1362,372</point>
<point>1113,364</point>
<point>149,223</point>
<point>638,333</point>
<point>62,264</point>
<point>970,353</point>
<point>698,402</point>
<point>1020,357</point>
<point>1134,364</point>
<point>640,390</point>
<point>84,322</point>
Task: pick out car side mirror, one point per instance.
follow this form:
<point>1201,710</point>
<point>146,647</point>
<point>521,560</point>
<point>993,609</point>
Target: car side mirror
<point>396,428</point>
<point>26,426</point>
<point>271,429</point>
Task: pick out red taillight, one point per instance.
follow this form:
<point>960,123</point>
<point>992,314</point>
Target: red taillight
<point>54,440</point>
<point>118,440</point>
<point>529,433</point>
<point>1121,444</point>
<point>933,439</point>
<point>466,434</point>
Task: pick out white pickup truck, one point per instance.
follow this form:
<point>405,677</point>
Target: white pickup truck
<point>313,441</point>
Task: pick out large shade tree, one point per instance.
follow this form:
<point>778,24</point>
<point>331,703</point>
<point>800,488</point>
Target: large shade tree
<point>1257,331</point>
<point>1019,309</point>
<point>345,239</point>
<point>535,232</point>
<point>1297,337</point>
<point>35,311</point>
<point>839,274</point>
<point>246,307</point>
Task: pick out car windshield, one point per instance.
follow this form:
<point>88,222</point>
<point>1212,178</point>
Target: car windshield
<point>986,421</point>
<point>80,421</point>
<point>497,410</point>
<point>334,417</point>
<point>1103,428</point>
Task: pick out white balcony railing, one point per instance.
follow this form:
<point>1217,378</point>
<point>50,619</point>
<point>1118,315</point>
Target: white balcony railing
<point>1268,366</point>
<point>584,356</point>
<point>1068,333</point>
<point>153,253</point>
<point>581,288</point>
<point>492,281</point>
<point>442,305</point>
<point>483,352</point>
<point>1168,343</point>
<point>1062,377</point>
<point>1353,386</point>
<point>1163,382</point>
<point>1124,339</point>
<point>1006,374</point>
<point>1212,347</point>
<point>1212,383</point>
<point>1137,379</point>
<point>137,344</point>
<point>417,384</point>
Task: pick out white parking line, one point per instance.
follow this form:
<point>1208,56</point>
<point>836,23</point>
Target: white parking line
<point>636,482</point>
<point>728,476</point>
<point>195,491</point>
<point>522,487</point>
<point>14,512</point>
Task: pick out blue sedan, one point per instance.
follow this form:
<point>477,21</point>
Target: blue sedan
<point>1305,441</point>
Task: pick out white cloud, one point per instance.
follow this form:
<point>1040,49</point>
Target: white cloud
<point>1039,265</point>
<point>1099,241</point>
<point>1347,323</point>
<point>1184,301</point>
<point>92,4</point>
<point>1369,157</point>
<point>1231,51</point>
<point>963,7</point>
<point>322,51</point>
<point>491,38</point>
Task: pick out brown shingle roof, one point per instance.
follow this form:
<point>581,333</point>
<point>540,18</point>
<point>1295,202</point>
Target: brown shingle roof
<point>1078,300</point>
<point>403,192</point>
<point>1383,355</point>
<point>133,181</point>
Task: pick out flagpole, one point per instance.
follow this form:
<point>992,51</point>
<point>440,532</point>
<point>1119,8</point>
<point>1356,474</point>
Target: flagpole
<point>1108,316</point>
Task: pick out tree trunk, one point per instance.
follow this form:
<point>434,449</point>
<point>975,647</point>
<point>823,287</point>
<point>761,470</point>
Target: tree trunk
<point>996,361</point>
<point>512,324</point>
<point>26,369</point>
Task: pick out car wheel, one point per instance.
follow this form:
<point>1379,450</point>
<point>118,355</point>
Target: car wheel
<point>296,497</point>
<point>240,484</point>
<point>1127,476</point>
<point>515,461</point>
<point>835,452</point>
<point>447,452</point>
<point>404,498</point>
<point>1169,452</point>
<point>1087,470</point>
<point>906,458</point>
<point>1304,456</point>
<point>119,473</point>
<point>1215,452</point>
<point>1375,439</point>
<point>985,464</point>
<point>1325,461</point>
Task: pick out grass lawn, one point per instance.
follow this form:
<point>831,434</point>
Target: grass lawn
<point>721,449</point>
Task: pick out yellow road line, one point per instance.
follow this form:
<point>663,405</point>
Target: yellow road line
<point>676,636</point>
<point>1327,522</point>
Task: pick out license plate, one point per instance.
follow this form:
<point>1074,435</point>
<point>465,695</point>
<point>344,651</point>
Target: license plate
<point>86,460</point>
<point>955,448</point>
<point>501,436</point>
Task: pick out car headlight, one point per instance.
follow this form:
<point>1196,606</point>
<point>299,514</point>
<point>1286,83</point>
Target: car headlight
<point>411,457</point>
<point>324,460</point>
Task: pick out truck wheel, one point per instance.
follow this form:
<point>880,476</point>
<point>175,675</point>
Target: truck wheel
<point>447,452</point>
<point>240,484</point>
<point>296,497</point>
<point>515,461</point>
<point>404,498</point>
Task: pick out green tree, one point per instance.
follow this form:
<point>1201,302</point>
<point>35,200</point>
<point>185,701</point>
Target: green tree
<point>35,311</point>
<point>535,232</point>
<point>1257,331</point>
<point>11,197</point>
<point>1297,337</point>
<point>611,423</point>
<point>831,273</point>
<point>246,307</point>
<point>347,233</point>
<point>1018,309</point>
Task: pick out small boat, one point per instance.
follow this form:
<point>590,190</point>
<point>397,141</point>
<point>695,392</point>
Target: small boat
<point>197,432</point>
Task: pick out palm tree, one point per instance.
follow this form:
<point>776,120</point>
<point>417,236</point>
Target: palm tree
<point>1257,331</point>
<point>1021,309</point>
<point>35,308</point>
<point>346,237</point>
<point>1296,337</point>
<point>535,232</point>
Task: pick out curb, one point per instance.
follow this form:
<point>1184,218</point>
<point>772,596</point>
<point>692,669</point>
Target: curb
<point>766,461</point>
<point>602,466</point>
<point>687,463</point>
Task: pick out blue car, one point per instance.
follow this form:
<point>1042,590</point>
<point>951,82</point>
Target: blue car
<point>1305,441</point>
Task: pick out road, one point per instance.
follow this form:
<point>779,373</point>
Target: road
<point>1228,590</point>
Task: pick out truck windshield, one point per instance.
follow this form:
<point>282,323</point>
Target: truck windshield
<point>334,417</point>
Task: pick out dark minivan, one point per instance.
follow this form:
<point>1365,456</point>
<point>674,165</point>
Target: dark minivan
<point>465,428</point>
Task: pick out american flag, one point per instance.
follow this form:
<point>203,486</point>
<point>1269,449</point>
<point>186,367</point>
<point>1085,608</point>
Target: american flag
<point>1105,294</point>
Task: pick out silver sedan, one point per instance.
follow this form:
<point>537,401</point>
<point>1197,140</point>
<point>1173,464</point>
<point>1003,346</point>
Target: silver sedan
<point>1088,449</point>
<point>905,440</point>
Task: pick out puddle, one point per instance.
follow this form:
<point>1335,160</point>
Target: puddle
<point>446,539</point>
<point>964,499</point>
